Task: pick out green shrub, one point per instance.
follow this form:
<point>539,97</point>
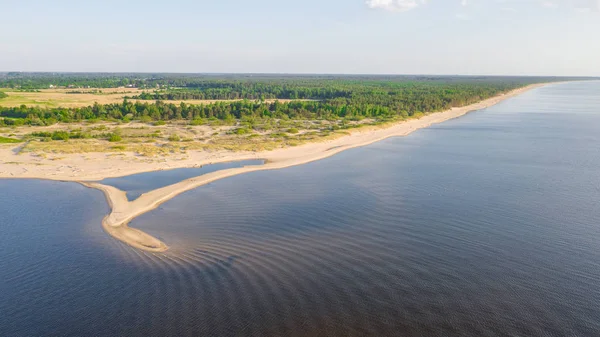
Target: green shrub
<point>114,138</point>
<point>197,121</point>
<point>159,123</point>
<point>292,130</point>
<point>60,135</point>
<point>174,138</point>
<point>50,121</point>
<point>41,134</point>
<point>36,122</point>
<point>79,135</point>
<point>99,128</point>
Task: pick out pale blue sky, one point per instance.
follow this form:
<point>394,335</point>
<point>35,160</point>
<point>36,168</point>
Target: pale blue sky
<point>516,37</point>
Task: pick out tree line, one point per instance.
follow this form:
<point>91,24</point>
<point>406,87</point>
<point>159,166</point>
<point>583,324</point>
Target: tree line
<point>380,100</point>
<point>327,89</point>
<point>250,83</point>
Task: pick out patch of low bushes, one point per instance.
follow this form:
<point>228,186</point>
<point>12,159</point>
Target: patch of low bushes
<point>5,140</point>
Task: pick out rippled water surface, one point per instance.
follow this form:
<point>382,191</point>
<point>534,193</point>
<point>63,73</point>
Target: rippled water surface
<point>487,225</point>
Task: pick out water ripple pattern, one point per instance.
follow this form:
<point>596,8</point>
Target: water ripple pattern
<point>487,225</point>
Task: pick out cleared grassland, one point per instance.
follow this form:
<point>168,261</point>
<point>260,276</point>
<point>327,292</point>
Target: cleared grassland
<point>54,98</point>
<point>7,140</point>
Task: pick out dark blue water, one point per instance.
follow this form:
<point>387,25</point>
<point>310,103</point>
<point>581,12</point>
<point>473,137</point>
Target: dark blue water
<point>138,184</point>
<point>487,225</point>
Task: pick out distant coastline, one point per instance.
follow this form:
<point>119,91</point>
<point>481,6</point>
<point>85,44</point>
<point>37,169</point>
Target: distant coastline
<point>123,211</point>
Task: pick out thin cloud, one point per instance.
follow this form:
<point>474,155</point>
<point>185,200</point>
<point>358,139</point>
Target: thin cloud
<point>580,5</point>
<point>407,5</point>
<point>394,5</point>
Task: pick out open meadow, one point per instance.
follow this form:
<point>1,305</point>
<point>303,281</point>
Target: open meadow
<point>78,97</point>
<point>53,98</point>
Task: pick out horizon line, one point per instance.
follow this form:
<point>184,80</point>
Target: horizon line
<point>289,74</point>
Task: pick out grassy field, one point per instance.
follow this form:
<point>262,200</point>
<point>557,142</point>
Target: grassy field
<point>54,98</point>
<point>7,140</point>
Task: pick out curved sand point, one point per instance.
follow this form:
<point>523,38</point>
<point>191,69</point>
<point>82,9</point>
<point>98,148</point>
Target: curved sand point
<point>116,223</point>
<point>123,211</point>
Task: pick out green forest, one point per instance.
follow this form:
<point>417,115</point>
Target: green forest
<point>351,97</point>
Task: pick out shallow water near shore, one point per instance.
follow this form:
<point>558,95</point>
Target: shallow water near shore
<point>137,184</point>
<point>481,226</point>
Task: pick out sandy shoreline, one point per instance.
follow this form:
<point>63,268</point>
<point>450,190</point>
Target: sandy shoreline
<point>83,168</point>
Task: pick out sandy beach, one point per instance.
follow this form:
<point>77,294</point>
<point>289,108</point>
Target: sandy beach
<point>89,167</point>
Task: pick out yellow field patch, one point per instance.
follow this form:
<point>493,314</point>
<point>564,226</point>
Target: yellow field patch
<point>54,98</point>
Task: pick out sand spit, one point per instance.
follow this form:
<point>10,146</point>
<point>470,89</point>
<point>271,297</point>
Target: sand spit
<point>123,211</point>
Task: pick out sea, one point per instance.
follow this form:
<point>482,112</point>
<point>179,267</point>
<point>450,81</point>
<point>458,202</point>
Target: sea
<point>485,225</point>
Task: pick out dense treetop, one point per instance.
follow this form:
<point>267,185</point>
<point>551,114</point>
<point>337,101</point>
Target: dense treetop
<point>223,81</point>
<point>355,97</point>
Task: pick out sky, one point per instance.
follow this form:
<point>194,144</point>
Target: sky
<point>467,37</point>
